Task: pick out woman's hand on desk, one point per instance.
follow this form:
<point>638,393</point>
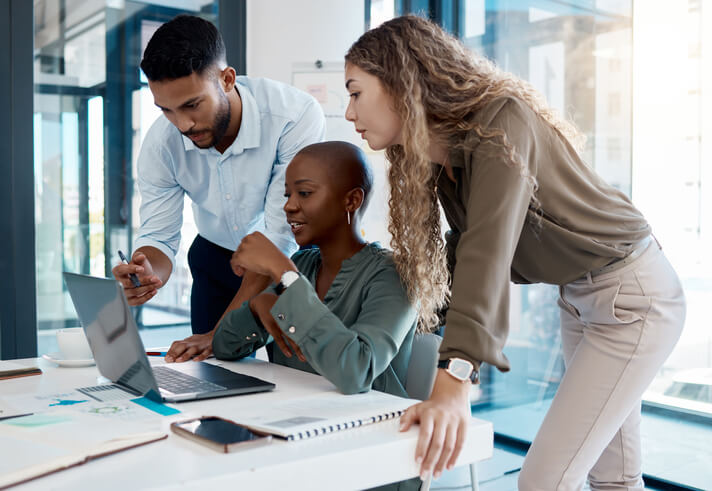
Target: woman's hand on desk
<point>197,347</point>
<point>443,424</point>
<point>260,307</point>
<point>258,254</point>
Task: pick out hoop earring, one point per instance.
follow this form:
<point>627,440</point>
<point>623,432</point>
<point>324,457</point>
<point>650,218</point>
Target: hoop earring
<point>348,217</point>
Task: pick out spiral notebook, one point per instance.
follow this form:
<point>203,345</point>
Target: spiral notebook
<point>310,416</point>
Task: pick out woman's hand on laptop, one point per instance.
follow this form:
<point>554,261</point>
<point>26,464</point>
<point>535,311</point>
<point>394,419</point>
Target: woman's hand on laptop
<point>260,306</point>
<point>141,267</point>
<point>196,347</point>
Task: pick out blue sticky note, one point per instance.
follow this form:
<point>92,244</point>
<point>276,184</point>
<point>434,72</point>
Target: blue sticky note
<point>156,407</point>
<point>68,402</point>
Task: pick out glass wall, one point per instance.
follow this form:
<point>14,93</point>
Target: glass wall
<point>633,75</point>
<point>583,57</point>
<point>578,55</point>
<point>92,110</point>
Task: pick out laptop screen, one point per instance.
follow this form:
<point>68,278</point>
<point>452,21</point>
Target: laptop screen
<point>111,331</point>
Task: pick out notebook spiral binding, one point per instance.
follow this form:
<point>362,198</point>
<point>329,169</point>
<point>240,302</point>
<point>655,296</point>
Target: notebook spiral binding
<point>344,426</point>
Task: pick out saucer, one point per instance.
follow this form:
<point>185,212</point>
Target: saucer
<point>57,358</point>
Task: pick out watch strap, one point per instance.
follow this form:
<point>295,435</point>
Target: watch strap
<point>474,376</point>
<point>288,277</point>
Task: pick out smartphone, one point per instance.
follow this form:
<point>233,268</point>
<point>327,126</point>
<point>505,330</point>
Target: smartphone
<point>220,434</point>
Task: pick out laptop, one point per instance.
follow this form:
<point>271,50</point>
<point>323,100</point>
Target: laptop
<point>121,357</point>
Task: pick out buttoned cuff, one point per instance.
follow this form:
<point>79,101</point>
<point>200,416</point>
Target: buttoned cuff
<point>298,309</point>
<point>238,335</point>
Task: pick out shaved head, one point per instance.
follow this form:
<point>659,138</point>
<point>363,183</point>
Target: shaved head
<point>346,165</point>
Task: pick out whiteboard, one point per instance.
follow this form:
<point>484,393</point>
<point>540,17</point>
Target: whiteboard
<point>326,85</point>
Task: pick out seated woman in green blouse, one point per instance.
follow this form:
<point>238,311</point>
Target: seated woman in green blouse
<point>339,310</point>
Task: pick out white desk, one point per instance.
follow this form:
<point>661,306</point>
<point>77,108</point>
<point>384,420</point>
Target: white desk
<point>353,459</point>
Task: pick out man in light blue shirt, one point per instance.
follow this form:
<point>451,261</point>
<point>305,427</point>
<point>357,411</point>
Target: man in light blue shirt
<point>225,141</point>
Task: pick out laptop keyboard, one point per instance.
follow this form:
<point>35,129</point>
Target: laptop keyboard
<point>107,393</point>
<point>180,383</point>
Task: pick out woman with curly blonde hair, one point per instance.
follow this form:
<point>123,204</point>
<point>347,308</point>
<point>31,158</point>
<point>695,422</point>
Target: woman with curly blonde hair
<point>522,206</point>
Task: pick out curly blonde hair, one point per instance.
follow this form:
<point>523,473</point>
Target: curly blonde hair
<point>437,86</point>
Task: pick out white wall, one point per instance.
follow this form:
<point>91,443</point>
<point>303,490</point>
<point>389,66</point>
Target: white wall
<point>281,33</point>
<point>285,33</point>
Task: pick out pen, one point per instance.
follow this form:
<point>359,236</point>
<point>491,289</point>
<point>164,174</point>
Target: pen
<point>3,418</point>
<point>156,353</point>
<point>134,278</point>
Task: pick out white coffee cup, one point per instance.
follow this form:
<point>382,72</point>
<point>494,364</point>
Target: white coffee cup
<point>73,344</point>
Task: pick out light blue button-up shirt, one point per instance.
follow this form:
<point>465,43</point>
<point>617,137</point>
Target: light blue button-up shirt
<point>234,193</point>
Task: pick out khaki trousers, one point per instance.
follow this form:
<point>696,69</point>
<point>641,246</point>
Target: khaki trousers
<point>618,327</point>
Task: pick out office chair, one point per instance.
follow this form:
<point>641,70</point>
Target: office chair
<point>419,382</point>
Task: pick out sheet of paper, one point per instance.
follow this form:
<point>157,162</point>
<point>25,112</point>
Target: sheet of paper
<point>38,449</point>
<point>75,429</point>
<point>20,447</point>
<point>75,402</point>
<point>8,410</point>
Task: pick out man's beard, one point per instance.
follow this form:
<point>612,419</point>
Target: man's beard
<point>222,121</point>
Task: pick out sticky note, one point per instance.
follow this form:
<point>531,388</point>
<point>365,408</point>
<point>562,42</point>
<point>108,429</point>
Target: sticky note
<point>156,407</point>
<point>40,419</point>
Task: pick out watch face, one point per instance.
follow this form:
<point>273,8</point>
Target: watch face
<point>460,368</point>
<point>289,277</point>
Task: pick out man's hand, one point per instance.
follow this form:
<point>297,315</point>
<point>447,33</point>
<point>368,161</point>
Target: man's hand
<point>260,307</point>
<point>443,424</point>
<point>198,347</point>
<point>141,267</point>
<point>258,254</point>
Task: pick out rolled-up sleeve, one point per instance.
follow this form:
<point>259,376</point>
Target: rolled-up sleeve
<point>161,210</point>
<point>477,321</point>
<point>349,357</point>
<point>308,128</point>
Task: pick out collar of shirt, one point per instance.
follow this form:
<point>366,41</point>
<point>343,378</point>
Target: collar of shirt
<point>250,128</point>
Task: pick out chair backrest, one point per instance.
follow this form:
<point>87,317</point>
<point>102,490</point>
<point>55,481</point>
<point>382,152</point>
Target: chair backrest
<point>423,365</point>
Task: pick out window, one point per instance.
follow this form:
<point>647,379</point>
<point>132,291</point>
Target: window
<point>92,110</point>
<point>647,137</point>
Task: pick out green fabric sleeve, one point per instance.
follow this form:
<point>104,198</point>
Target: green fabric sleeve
<point>238,335</point>
<point>349,357</point>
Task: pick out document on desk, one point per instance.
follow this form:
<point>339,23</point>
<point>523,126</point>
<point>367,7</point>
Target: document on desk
<point>75,440</point>
<point>8,411</point>
<point>310,416</point>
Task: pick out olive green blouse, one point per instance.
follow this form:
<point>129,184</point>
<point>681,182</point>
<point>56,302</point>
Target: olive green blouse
<point>498,233</point>
<point>359,337</point>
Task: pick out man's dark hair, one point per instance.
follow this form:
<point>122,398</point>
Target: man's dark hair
<point>185,45</point>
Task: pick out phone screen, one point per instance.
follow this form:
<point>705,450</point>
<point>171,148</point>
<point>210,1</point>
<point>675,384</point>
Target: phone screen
<point>219,430</point>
